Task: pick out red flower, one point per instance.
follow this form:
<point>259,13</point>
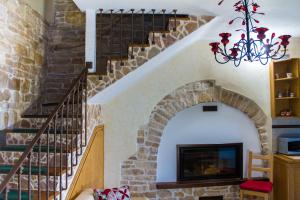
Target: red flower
<point>240,8</point>
<point>261,32</point>
<point>234,52</point>
<point>243,36</point>
<point>215,47</point>
<point>285,40</point>
<point>225,37</point>
<point>256,21</point>
<point>255,6</point>
<point>273,35</point>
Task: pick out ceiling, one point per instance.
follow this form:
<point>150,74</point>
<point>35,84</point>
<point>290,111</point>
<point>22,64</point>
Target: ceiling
<point>282,15</point>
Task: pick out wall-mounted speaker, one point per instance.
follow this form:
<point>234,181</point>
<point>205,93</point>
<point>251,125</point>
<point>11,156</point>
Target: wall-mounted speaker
<point>210,108</point>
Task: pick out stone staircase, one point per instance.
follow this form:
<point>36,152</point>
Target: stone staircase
<point>37,161</point>
<point>157,42</point>
<point>47,168</point>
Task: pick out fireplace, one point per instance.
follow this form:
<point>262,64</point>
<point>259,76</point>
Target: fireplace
<point>213,161</point>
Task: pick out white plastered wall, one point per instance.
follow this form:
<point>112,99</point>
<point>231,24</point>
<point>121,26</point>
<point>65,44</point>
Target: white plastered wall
<point>128,104</point>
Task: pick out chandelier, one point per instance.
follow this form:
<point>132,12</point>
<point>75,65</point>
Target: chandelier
<point>249,48</point>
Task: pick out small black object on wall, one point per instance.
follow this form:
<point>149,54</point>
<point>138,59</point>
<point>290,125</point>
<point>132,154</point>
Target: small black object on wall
<point>211,198</point>
<point>210,108</point>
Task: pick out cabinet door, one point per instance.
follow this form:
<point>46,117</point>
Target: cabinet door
<point>297,181</point>
<point>281,185</point>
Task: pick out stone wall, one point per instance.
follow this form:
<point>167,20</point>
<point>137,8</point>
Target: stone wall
<point>139,171</point>
<point>66,48</point>
<point>23,46</point>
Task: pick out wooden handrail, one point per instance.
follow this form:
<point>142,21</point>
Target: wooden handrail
<point>43,129</point>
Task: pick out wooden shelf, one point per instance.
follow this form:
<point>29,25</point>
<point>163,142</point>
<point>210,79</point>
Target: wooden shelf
<point>284,85</point>
<point>283,61</point>
<point>287,79</point>
<point>287,98</point>
<point>281,117</point>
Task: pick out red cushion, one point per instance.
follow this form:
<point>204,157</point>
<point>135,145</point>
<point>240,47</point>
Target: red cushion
<point>258,186</point>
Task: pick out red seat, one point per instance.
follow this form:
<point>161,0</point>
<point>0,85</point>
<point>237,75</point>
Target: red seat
<point>258,186</point>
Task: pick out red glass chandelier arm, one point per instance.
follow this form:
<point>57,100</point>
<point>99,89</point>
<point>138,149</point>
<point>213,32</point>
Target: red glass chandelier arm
<point>242,45</point>
<point>233,20</point>
<point>238,61</point>
<point>275,52</point>
<point>221,62</point>
<point>264,61</point>
<point>274,57</point>
<point>258,51</point>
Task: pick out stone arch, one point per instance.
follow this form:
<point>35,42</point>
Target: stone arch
<point>139,171</point>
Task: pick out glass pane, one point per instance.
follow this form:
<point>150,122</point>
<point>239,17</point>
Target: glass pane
<point>209,162</point>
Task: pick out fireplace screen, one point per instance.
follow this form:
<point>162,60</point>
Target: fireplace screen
<point>218,161</point>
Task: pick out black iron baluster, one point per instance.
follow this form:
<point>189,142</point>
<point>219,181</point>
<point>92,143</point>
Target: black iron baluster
<point>72,131</point>
<point>153,25</point>
<point>39,169</point>
<point>19,183</point>
<point>76,127</point>
<point>29,175</point>
<point>48,164</point>
<point>81,113</point>
<point>61,150</point>
<point>55,137</point>
<point>143,24</point>
<point>164,22</point>
<point>77,124</point>
<point>121,36</point>
<point>175,16</point>
<point>110,41</point>
<point>132,33</point>
<point>67,140</point>
<point>100,38</point>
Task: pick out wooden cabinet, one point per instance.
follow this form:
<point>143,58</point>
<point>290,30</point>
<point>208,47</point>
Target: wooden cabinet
<point>285,89</point>
<point>286,177</point>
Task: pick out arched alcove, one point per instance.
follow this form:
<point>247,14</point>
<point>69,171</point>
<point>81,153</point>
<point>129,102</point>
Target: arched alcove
<point>193,126</point>
<point>140,170</point>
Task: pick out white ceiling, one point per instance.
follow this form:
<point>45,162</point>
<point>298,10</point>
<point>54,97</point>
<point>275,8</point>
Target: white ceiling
<point>282,15</point>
